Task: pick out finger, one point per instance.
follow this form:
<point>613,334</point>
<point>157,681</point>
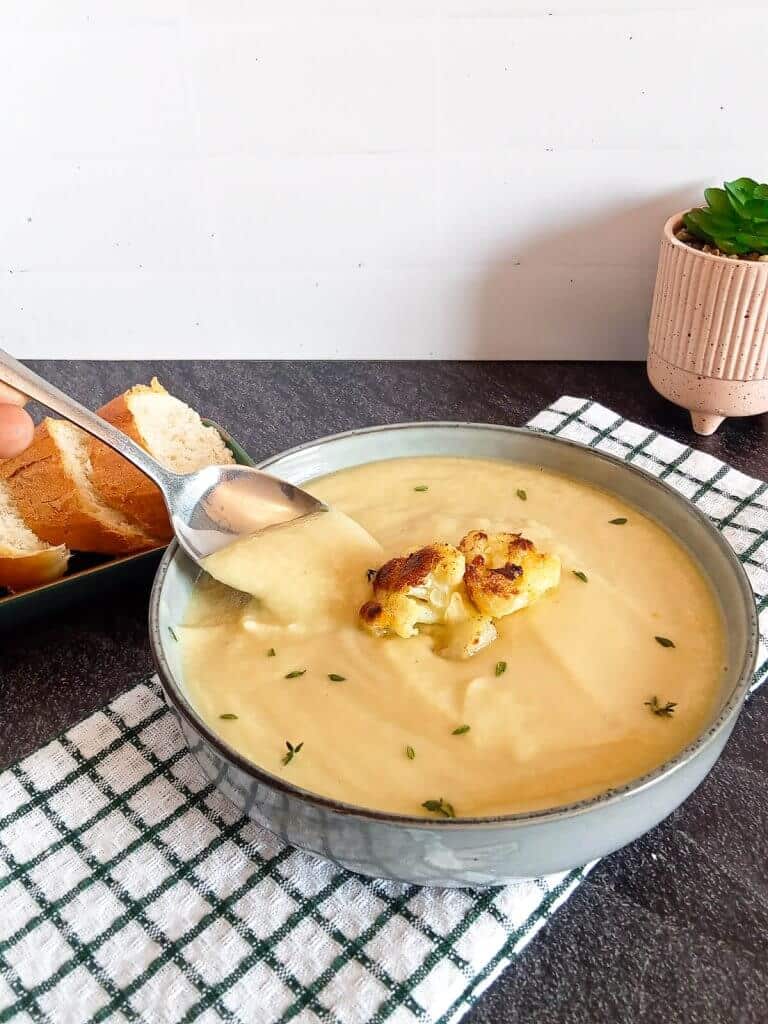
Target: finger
<point>16,430</point>
<point>11,397</point>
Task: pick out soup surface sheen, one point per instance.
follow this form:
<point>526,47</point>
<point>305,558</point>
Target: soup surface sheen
<point>565,720</point>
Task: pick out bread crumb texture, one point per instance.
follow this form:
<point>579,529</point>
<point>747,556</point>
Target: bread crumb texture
<point>25,560</point>
<point>15,536</point>
<point>173,432</point>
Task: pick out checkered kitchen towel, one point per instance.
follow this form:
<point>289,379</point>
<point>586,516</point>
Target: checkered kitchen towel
<point>130,889</point>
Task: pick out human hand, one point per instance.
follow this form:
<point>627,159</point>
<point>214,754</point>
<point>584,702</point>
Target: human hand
<point>16,426</point>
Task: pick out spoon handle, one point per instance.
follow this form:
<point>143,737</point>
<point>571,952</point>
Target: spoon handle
<point>23,379</point>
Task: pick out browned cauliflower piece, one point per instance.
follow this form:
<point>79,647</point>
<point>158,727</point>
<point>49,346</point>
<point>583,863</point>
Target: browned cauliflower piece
<point>467,631</point>
<point>414,590</point>
<point>505,572</point>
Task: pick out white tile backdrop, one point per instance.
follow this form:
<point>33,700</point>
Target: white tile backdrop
<point>354,178</point>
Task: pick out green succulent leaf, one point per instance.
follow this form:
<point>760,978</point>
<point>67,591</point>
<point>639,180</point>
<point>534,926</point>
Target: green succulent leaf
<point>718,202</point>
<point>740,191</point>
<point>746,185</point>
<point>756,209</point>
<point>731,246</point>
<point>696,228</point>
<point>705,225</point>
<point>716,225</point>
<point>752,242</point>
<point>735,218</point>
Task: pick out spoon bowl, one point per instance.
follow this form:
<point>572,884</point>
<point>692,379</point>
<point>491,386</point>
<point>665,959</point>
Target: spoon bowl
<point>215,506</point>
<point>208,509</point>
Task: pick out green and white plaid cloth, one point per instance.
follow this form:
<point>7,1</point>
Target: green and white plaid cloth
<point>132,890</point>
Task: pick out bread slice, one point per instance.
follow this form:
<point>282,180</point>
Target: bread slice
<point>25,560</point>
<point>170,431</point>
<point>51,485</point>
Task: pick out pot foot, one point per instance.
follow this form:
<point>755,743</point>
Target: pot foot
<point>706,423</point>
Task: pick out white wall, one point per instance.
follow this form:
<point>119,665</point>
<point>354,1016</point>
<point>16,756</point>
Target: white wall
<point>358,178</point>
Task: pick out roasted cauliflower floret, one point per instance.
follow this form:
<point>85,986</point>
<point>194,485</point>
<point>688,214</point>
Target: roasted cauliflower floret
<point>466,631</point>
<point>456,593</point>
<point>505,572</point>
<point>413,591</point>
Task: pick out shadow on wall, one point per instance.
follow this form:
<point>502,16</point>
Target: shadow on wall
<point>591,282</point>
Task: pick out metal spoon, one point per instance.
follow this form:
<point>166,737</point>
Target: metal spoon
<point>208,509</point>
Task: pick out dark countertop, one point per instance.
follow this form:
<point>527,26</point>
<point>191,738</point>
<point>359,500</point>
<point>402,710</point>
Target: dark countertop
<point>674,928</point>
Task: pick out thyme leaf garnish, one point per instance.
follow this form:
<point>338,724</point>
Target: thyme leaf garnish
<point>522,495</point>
<point>421,487</point>
<point>439,807</point>
<point>271,652</point>
<point>619,521</point>
<point>296,673</point>
<point>664,641</point>
<point>291,751</point>
<point>663,710</point>
<point>460,730</point>
<point>580,575</point>
<point>336,678</point>
<point>501,668</point>
<point>410,753</point>
<point>172,632</point>
<point>371,574</point>
<point>228,715</point>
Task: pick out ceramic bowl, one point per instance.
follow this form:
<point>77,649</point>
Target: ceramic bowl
<point>471,851</point>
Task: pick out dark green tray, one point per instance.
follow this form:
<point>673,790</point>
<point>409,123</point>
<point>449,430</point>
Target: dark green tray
<point>89,576</point>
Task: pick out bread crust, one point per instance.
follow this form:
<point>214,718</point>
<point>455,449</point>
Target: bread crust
<point>122,485</point>
<point>32,568</point>
<point>52,506</point>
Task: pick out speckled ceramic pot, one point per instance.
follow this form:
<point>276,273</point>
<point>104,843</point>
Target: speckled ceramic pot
<point>471,851</point>
<point>709,332</point>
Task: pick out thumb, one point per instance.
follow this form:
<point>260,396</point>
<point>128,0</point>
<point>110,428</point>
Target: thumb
<point>11,397</point>
<point>16,430</point>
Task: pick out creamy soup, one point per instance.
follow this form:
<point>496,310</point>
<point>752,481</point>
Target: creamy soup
<point>605,677</point>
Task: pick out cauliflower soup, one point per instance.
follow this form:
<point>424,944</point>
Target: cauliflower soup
<point>496,638</point>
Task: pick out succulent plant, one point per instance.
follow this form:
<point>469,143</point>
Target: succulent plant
<point>735,218</point>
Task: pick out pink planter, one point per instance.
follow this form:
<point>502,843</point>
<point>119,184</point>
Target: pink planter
<point>709,332</point>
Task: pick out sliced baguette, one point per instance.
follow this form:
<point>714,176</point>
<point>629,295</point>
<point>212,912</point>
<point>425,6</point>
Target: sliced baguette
<point>170,431</point>
<point>52,487</point>
<point>25,560</point>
